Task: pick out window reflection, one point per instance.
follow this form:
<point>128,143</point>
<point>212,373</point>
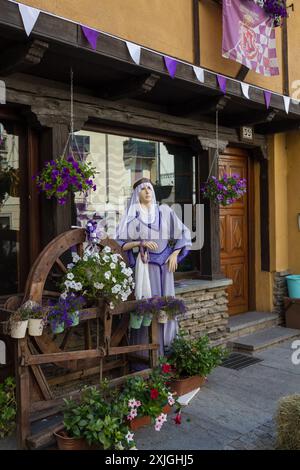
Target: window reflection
<point>9,211</point>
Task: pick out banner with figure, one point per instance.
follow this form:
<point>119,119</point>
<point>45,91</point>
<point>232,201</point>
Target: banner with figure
<point>249,36</point>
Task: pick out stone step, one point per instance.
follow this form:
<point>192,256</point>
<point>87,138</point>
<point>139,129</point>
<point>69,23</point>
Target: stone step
<point>250,322</point>
<point>263,339</point>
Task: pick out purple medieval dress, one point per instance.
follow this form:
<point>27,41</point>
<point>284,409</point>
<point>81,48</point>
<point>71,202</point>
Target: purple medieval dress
<point>170,234</point>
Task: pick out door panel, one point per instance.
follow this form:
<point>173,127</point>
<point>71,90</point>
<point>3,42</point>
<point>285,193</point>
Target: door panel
<point>234,236</point>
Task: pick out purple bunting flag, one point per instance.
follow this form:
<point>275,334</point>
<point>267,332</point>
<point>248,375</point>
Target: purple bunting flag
<point>91,36</point>
<point>267,95</point>
<point>171,65</point>
<point>222,81</point>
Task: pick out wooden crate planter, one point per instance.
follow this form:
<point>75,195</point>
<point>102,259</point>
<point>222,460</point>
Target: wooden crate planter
<point>186,385</point>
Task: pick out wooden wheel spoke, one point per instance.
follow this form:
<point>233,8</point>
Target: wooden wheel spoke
<point>80,250</point>
<point>61,265</point>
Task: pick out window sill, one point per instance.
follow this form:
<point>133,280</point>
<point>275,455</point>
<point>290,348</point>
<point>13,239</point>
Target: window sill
<point>190,285</point>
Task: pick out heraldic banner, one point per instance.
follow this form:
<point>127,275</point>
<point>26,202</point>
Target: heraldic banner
<point>249,36</point>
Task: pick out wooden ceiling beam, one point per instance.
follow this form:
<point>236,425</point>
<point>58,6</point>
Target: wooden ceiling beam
<point>131,88</point>
<point>250,118</point>
<point>22,56</point>
<point>278,126</point>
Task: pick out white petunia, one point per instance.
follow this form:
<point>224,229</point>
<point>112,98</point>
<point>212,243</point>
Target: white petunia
<point>73,284</point>
<point>129,436</point>
<point>114,258</point>
<point>106,258</point>
<point>75,257</point>
<point>68,284</point>
<point>98,285</point>
<point>112,266</point>
<point>111,306</point>
<point>107,249</point>
<point>70,265</point>
<point>85,257</point>
<point>107,275</point>
<point>64,295</point>
<point>78,286</point>
<point>122,264</point>
<point>70,276</point>
<point>114,279</point>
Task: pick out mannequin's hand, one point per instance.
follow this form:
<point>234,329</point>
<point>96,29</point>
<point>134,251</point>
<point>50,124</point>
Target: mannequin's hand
<point>172,261</point>
<point>151,245</point>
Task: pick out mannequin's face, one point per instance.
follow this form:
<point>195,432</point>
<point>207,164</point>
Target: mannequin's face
<point>146,195</point>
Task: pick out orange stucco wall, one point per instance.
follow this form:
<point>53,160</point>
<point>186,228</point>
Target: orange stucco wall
<point>162,25</point>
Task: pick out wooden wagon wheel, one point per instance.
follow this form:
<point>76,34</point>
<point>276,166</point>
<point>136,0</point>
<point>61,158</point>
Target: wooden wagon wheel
<point>49,258</point>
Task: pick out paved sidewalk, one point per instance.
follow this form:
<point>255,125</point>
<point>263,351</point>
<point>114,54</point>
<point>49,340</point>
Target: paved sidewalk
<point>234,410</point>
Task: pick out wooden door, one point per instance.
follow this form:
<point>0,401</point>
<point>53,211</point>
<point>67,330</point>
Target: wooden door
<point>234,234</point>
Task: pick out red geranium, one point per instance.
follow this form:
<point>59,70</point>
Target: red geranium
<point>154,394</point>
<point>166,368</point>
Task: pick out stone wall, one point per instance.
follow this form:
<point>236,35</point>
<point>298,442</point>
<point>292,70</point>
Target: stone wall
<point>279,292</point>
<point>207,314</point>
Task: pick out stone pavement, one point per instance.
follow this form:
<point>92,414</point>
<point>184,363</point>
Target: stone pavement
<point>234,410</point>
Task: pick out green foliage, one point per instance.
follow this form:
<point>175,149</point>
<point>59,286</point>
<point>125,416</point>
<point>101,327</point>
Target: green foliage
<point>99,417</point>
<point>194,356</point>
<point>7,407</point>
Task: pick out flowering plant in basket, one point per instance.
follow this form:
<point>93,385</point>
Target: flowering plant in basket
<point>61,176</point>
<point>225,190</point>
<point>276,9</point>
<point>65,312</point>
<point>99,274</point>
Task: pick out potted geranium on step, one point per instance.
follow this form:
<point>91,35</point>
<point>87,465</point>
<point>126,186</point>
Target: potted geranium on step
<point>191,361</point>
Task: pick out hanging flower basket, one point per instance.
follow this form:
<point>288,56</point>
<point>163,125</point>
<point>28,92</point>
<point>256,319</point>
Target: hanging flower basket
<point>63,176</point>
<point>276,9</point>
<point>226,190</point>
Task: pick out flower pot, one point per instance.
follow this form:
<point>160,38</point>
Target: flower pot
<point>135,321</point>
<point>18,329</point>
<point>162,317</point>
<point>142,421</point>
<point>187,384</point>
<point>57,327</point>
<point>139,422</point>
<point>74,319</point>
<point>70,443</point>
<point>293,284</point>
<point>147,320</point>
<point>35,326</point>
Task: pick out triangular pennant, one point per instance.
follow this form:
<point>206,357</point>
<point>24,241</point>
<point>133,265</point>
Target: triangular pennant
<point>245,89</point>
<point>199,72</point>
<point>91,36</point>
<point>29,17</point>
<point>171,65</point>
<point>286,101</point>
<point>134,51</point>
<point>222,81</point>
<point>267,95</point>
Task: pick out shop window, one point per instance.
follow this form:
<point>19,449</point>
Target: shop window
<point>120,161</point>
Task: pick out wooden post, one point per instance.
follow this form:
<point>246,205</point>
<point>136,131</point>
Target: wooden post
<point>210,253</point>
<point>154,339</point>
<point>22,394</point>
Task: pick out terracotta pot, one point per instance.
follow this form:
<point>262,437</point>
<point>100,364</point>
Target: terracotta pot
<point>141,421</point>
<point>70,443</point>
<point>186,385</point>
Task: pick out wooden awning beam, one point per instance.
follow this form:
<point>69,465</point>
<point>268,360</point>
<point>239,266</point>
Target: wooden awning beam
<point>22,56</point>
<point>131,88</point>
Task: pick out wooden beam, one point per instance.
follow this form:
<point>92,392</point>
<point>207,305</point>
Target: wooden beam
<point>201,105</point>
<point>22,56</point>
<point>131,88</point>
<point>264,216</point>
<point>242,73</point>
<point>196,32</point>
<point>278,126</point>
<point>285,58</point>
<point>129,349</point>
<point>251,118</point>
<point>63,356</point>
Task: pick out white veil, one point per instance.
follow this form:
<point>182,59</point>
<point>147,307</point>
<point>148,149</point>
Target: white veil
<point>134,206</point>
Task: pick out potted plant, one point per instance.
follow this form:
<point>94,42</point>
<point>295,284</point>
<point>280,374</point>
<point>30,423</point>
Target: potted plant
<point>149,400</point>
<point>99,274</point>
<point>96,421</point>
<point>146,308</point>
<point>225,190</point>
<point>61,176</point>
<point>8,407</point>
<point>18,323</point>
<point>37,321</point>
<point>65,313</point>
<point>136,320</point>
<point>171,308</point>
<point>191,360</point>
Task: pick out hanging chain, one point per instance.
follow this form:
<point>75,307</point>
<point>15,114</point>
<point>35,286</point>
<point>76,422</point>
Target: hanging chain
<point>72,103</point>
<point>217,144</point>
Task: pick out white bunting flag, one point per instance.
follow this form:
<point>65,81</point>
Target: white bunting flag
<point>245,90</point>
<point>29,17</point>
<point>286,100</point>
<point>134,51</point>
<point>199,73</point>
